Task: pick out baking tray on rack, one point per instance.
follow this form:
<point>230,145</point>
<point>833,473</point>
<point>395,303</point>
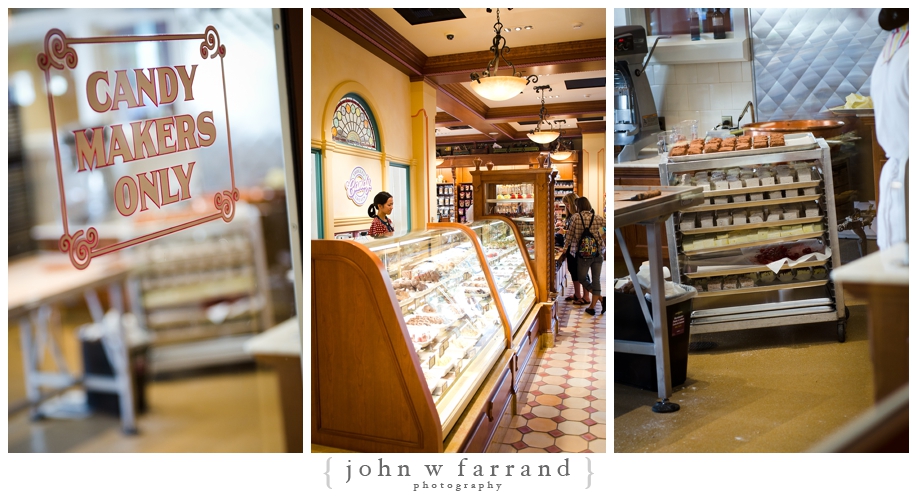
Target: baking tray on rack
<point>794,142</point>
<point>763,242</point>
<point>758,203</point>
<point>763,288</point>
<point>763,189</point>
<point>757,225</point>
<point>745,269</point>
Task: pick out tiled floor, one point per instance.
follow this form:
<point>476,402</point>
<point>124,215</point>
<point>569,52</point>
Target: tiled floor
<point>565,408</point>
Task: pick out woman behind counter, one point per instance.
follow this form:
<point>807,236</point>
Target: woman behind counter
<point>380,210</point>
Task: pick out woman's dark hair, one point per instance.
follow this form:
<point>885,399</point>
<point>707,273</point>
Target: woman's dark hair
<point>381,198</point>
<point>583,205</point>
<point>890,19</point>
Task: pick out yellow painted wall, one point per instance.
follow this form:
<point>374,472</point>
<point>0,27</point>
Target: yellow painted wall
<point>340,66</point>
<point>594,178</point>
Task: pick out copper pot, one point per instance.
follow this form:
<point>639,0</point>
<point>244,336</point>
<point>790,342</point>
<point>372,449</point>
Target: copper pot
<point>827,128</point>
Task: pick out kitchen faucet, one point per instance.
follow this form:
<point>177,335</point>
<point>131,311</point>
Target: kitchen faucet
<point>749,104</point>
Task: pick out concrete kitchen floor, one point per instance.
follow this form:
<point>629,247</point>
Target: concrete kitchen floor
<point>757,390</point>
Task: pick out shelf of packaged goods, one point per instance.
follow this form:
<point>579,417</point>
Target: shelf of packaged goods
<point>764,288</point>
<point>760,203</point>
<point>761,225</point>
<point>517,200</point>
<point>202,331</point>
<point>745,269</point>
<point>223,288</point>
<point>762,189</point>
<point>716,249</point>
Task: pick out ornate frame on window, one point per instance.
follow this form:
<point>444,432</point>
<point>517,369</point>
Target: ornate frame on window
<point>353,124</point>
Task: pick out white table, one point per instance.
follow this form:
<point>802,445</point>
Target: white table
<point>280,347</point>
<point>882,280</point>
<point>36,284</point>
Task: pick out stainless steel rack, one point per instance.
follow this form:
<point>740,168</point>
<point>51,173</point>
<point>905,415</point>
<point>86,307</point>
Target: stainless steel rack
<point>773,305</point>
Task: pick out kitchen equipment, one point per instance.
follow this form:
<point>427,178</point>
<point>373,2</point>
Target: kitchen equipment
<point>775,302</point>
<point>636,120</point>
<point>820,128</point>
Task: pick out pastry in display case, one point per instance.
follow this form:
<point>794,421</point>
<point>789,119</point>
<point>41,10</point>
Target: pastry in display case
<point>450,312</point>
<point>510,271</point>
<point>418,327</point>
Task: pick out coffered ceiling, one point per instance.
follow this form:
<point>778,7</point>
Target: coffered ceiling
<point>563,47</point>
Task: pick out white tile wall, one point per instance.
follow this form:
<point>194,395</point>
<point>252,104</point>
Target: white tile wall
<point>705,92</point>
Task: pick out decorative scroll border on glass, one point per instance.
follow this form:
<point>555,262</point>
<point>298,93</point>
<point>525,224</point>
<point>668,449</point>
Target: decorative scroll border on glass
<point>59,54</point>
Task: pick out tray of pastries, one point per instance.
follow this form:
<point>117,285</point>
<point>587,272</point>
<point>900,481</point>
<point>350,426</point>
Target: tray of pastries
<point>714,148</point>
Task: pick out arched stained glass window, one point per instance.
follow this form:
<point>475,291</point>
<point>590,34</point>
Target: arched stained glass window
<point>353,123</point>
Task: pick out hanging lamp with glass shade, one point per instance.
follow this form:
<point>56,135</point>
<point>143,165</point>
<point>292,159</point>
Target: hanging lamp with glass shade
<point>539,135</point>
<point>498,88</point>
<point>563,150</point>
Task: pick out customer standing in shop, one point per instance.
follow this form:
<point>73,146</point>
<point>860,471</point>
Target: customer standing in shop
<point>569,203</point>
<point>585,221</point>
<point>890,98</point>
<point>380,210</point>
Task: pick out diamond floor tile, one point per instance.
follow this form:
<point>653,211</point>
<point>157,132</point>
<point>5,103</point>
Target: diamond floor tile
<point>562,411</point>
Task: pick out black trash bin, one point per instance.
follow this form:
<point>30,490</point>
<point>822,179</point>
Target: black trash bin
<point>640,370</point>
<point>96,362</point>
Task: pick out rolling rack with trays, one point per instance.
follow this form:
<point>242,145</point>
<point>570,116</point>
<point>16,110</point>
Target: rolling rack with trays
<point>792,296</point>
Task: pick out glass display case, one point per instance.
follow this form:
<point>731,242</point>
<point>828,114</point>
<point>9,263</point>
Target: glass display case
<point>510,272</point>
<point>448,306</point>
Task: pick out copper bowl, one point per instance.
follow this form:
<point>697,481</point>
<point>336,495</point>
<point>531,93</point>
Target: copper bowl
<point>827,128</point>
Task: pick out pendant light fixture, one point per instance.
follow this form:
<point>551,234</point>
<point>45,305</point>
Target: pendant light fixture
<point>563,149</point>
<point>539,136</point>
<point>494,87</point>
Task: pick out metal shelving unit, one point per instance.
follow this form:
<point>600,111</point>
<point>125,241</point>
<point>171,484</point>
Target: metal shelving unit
<point>772,304</point>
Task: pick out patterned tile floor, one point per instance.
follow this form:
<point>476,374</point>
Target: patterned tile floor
<point>565,407</point>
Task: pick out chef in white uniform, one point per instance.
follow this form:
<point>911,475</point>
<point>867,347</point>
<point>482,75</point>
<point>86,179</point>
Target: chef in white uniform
<point>889,88</point>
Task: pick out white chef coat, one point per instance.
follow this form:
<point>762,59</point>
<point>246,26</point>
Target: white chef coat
<point>889,88</point>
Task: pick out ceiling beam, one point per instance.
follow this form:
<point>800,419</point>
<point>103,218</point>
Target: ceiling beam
<point>444,119</point>
<point>592,127</point>
<point>458,109</point>
<point>555,111</point>
<point>552,58</point>
<point>466,97</point>
<point>365,28</point>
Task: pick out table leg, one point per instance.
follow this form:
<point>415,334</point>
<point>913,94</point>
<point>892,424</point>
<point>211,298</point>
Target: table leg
<point>44,329</point>
<point>115,297</point>
<point>116,351</point>
<point>30,366</point>
<point>660,322</point>
<point>95,307</point>
<point>622,245</point>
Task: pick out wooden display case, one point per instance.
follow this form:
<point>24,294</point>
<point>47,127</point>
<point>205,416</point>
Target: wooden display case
<point>385,381</point>
<point>499,194</point>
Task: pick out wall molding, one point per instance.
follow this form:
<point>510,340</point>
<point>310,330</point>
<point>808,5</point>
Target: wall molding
<point>352,221</point>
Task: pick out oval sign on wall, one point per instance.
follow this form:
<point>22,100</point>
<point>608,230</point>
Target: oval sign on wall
<point>358,186</point>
